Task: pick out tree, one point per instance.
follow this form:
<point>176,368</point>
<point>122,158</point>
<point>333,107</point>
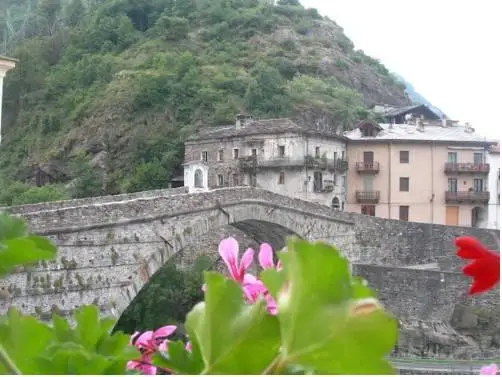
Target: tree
<point>49,12</point>
<point>294,3</point>
<point>74,12</point>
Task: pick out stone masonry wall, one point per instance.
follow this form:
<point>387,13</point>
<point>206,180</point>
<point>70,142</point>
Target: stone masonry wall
<point>26,208</point>
<point>380,241</point>
<point>107,251</point>
<point>425,303</point>
<point>108,259</point>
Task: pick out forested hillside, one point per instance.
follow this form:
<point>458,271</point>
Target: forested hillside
<point>107,90</point>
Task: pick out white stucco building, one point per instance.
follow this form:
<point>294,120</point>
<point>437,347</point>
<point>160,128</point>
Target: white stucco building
<point>493,158</point>
<point>6,64</point>
<point>274,154</point>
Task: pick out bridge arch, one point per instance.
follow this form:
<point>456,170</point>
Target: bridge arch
<point>249,233</point>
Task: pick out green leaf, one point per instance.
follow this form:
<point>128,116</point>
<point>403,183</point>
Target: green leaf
<point>360,289</point>
<point>19,251</point>
<point>273,280</point>
<point>178,360</point>
<point>88,326</point>
<point>62,328</point>
<point>18,335</point>
<point>323,328</point>
<point>234,338</point>
<point>11,227</point>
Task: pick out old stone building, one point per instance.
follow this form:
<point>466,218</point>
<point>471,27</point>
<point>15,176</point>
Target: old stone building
<point>278,155</point>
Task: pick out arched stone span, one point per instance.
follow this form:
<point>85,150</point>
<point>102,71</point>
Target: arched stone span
<point>249,233</point>
<point>265,231</point>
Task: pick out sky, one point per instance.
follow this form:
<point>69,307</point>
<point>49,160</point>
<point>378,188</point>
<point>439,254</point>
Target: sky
<point>450,51</point>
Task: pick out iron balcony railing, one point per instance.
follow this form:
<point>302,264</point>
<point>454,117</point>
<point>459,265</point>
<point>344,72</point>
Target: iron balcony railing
<point>466,167</point>
<point>467,196</point>
<point>368,167</point>
<point>367,196</point>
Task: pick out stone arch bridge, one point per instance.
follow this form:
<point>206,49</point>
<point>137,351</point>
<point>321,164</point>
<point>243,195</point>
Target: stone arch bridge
<point>109,248</point>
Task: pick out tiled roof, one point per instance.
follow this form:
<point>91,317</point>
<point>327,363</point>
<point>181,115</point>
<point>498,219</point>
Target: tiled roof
<point>255,127</point>
<point>411,133</point>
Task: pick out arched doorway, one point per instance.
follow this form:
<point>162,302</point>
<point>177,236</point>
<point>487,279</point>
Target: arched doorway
<point>198,178</point>
<point>335,203</point>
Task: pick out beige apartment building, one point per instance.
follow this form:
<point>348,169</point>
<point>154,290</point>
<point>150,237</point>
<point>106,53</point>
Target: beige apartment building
<point>429,171</point>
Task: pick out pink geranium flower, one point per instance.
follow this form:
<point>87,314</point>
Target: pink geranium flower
<point>148,343</point>
<point>266,257</point>
<point>489,370</point>
<point>229,252</point>
<point>254,289</point>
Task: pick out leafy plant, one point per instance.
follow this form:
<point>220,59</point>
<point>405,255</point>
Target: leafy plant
<point>327,322</point>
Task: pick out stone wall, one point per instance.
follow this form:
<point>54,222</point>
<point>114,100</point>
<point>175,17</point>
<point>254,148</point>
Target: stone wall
<point>425,303</point>
<point>107,251</point>
<point>26,208</point>
<point>379,241</point>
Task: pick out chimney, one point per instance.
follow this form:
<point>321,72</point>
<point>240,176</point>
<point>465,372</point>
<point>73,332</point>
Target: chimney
<point>6,64</point>
<point>468,128</point>
<point>420,124</point>
<point>241,120</point>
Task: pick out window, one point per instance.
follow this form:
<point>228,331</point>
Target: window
<point>368,210</point>
<point>452,184</point>
<point>478,185</point>
<point>203,156</point>
<point>368,182</point>
<point>335,155</point>
<point>220,180</point>
<point>220,155</point>
<point>343,155</point>
<point>235,179</point>
<point>253,152</point>
<point>452,157</point>
<point>317,152</point>
<point>335,203</point>
<point>282,178</point>
<point>252,180</point>
<point>282,150</point>
<point>404,184</point>
<point>369,131</point>
<point>368,158</point>
<point>404,213</point>
<point>404,157</point>
<point>236,153</point>
<point>317,181</point>
<point>197,178</point>
<point>478,158</point>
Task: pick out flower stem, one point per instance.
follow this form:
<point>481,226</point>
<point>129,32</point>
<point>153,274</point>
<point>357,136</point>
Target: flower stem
<point>7,362</point>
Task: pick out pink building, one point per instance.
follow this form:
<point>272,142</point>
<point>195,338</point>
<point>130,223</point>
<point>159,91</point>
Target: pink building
<point>429,171</point>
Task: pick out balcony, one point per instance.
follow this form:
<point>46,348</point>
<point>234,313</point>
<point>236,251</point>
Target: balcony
<point>480,197</point>
<point>341,165</point>
<point>248,163</point>
<point>368,167</point>
<point>466,167</point>
<point>320,163</point>
<point>367,197</point>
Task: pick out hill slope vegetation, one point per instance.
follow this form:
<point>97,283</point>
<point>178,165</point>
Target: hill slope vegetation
<point>106,91</point>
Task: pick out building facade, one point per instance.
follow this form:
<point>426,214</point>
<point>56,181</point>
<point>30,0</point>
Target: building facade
<point>493,221</point>
<point>430,171</point>
<point>274,154</point>
<point>6,64</point>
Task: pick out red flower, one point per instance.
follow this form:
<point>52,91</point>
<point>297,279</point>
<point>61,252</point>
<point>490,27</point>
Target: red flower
<point>485,267</point>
